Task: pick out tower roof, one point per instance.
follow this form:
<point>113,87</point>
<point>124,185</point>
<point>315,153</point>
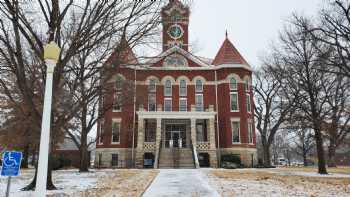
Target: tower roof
<point>228,54</point>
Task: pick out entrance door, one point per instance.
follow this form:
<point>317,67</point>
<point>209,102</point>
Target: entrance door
<point>176,136</point>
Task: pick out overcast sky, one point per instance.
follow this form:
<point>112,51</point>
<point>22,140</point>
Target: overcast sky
<point>251,24</point>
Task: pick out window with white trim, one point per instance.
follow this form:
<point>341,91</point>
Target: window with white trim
<point>248,105</point>
<point>233,84</point>
<point>235,125</point>
<point>167,104</point>
<point>183,104</point>
<point>250,132</point>
<point>199,85</point>
<point>199,102</point>
<point>152,95</point>
<point>115,131</point>
<point>101,133</point>
<point>167,88</point>
<point>246,85</point>
<point>183,88</point>
<point>117,103</point>
<point>234,101</point>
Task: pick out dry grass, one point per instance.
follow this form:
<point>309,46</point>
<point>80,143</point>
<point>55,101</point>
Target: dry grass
<point>340,169</point>
<point>123,183</point>
<point>314,186</point>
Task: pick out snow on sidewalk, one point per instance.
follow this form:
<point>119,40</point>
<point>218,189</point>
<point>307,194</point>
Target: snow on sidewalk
<point>180,182</point>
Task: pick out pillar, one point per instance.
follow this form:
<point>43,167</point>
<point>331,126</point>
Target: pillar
<point>194,141</point>
<point>140,140</point>
<point>158,139</point>
<point>212,148</point>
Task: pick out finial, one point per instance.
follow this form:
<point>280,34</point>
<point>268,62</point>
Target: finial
<point>226,34</point>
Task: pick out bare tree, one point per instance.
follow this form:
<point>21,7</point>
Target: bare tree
<point>300,72</point>
<point>91,24</point>
<point>271,108</point>
<point>304,142</point>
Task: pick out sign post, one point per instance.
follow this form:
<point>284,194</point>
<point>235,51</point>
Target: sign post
<point>11,164</point>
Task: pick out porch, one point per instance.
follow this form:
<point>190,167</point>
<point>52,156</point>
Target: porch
<point>170,136</point>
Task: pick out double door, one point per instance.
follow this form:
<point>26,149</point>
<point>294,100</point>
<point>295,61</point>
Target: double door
<point>175,136</point>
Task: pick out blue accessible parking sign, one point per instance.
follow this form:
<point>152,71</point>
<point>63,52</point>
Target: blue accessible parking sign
<point>11,163</point>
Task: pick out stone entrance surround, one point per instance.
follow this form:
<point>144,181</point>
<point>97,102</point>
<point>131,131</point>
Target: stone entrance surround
<point>160,116</point>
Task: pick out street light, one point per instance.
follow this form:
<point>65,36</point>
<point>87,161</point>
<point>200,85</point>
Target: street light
<point>51,55</point>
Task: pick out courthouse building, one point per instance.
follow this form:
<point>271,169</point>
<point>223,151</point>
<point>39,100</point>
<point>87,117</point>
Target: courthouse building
<point>180,110</point>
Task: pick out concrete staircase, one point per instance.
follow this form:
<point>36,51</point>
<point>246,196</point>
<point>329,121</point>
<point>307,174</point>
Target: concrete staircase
<point>176,158</point>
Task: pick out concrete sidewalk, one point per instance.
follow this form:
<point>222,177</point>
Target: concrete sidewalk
<point>180,182</point>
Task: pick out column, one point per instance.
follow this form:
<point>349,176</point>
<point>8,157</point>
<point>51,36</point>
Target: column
<point>140,140</point>
<point>212,148</point>
<point>194,141</point>
<point>158,139</point>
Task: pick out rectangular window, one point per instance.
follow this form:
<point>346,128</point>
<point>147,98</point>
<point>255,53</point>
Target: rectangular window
<point>167,104</point>
<point>248,103</point>
<point>152,102</point>
<point>114,160</point>
<point>117,107</point>
<point>201,130</point>
<point>115,132</point>
<point>234,101</point>
<point>250,132</point>
<point>183,104</point>
<point>199,102</point>
<point>150,130</point>
<point>235,131</point>
<point>183,88</point>
<point>167,88</point>
<point>100,134</point>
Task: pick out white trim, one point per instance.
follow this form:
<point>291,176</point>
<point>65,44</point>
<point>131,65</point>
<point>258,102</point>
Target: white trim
<point>250,127</point>
<point>116,120</point>
<point>101,126</point>
<point>250,103</point>
<point>195,100</point>
<point>165,88</point>
<point>185,99</point>
<point>239,131</point>
<point>181,51</point>
<point>176,115</point>
<point>180,87</point>
<point>148,66</point>
<point>236,93</point>
<point>155,94</point>
<point>171,103</point>
<point>120,105</point>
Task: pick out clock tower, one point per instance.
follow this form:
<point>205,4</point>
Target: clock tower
<point>175,18</point>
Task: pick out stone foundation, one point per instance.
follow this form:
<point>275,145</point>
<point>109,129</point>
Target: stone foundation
<point>124,157</point>
<point>248,155</point>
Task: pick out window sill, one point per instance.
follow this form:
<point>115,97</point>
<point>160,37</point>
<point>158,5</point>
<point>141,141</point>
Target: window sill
<point>234,143</point>
<point>116,110</point>
<point>115,143</point>
<point>234,111</point>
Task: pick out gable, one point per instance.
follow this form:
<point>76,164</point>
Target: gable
<point>177,57</point>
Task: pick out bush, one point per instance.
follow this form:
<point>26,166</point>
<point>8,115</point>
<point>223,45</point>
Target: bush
<point>231,161</point>
<point>59,161</point>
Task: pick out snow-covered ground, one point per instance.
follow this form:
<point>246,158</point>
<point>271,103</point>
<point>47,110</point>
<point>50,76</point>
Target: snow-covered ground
<point>180,183</point>
<point>104,183</point>
<point>276,183</point>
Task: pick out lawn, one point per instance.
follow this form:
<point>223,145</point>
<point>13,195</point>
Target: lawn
<point>281,182</point>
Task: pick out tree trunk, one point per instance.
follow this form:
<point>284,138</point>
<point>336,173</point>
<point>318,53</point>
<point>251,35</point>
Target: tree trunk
<point>304,158</point>
<point>266,155</point>
<point>320,152</point>
<point>49,183</point>
<point>34,156</point>
<point>331,154</point>
<point>24,163</point>
<point>84,154</point>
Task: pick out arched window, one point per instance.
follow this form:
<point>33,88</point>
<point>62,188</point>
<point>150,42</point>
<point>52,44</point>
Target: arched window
<point>199,85</point>
<point>183,87</point>
<point>152,95</point>
<point>119,83</point>
<point>246,85</point>
<point>233,84</point>
<point>167,88</point>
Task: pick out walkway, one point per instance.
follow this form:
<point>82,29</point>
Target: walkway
<point>180,182</point>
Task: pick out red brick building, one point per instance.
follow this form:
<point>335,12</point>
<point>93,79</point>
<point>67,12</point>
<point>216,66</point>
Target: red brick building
<point>184,110</point>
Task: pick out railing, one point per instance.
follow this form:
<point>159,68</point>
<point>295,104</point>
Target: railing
<point>195,156</point>
<point>203,145</point>
<point>149,146</point>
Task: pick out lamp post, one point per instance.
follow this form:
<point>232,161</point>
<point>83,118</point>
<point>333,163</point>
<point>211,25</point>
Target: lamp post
<point>51,55</point>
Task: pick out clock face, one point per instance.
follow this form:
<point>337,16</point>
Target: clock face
<point>175,31</point>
